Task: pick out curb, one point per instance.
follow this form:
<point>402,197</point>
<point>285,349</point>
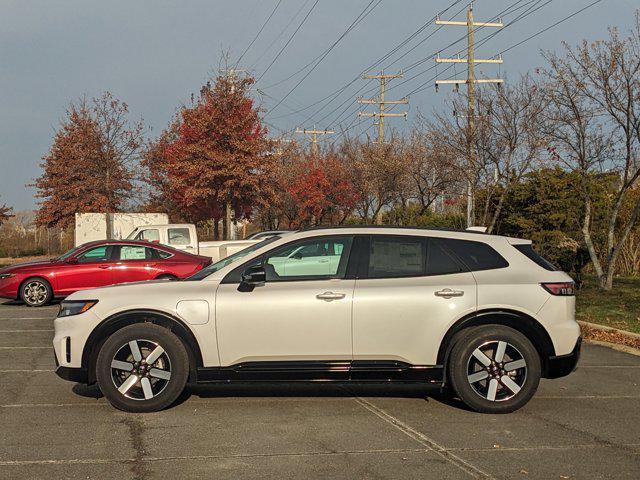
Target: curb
<point>615,346</point>
<point>602,328</point>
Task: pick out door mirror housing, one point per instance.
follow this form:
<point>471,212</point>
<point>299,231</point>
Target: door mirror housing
<point>71,261</point>
<point>252,277</point>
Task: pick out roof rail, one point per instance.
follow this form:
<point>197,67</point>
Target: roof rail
<point>406,227</point>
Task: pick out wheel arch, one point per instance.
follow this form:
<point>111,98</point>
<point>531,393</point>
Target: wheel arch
<point>122,319</point>
<point>523,323</point>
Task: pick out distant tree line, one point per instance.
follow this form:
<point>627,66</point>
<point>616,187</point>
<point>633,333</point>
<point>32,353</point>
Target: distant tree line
<point>554,157</point>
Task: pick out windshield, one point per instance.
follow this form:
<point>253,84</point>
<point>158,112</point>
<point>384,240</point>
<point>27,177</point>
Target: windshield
<point>214,267</point>
<point>66,255</point>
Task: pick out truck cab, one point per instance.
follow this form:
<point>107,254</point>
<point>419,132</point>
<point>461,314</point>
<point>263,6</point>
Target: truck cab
<point>181,236</point>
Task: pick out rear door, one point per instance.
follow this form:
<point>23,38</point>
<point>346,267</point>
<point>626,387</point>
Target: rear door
<point>409,290</point>
<point>134,263</point>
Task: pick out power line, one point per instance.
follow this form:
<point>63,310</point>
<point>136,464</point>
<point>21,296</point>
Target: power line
<point>289,41</point>
<point>259,32</point>
<point>264,52</point>
<point>335,94</point>
<point>358,19</point>
<point>363,15</point>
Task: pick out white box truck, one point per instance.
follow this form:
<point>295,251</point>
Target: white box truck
<point>93,226</point>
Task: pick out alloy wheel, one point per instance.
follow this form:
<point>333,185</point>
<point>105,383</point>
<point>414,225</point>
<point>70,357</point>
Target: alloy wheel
<point>496,371</point>
<point>141,369</point>
<point>35,292</point>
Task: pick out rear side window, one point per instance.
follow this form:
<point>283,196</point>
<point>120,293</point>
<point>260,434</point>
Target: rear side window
<point>441,262</point>
<point>531,254</point>
<point>475,255</point>
<point>396,257</point>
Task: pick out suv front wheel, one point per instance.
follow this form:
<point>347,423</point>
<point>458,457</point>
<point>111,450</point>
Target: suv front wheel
<point>142,368</point>
<point>494,369</point>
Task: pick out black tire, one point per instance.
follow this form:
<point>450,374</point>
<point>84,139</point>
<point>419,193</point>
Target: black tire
<point>165,390</point>
<point>36,292</point>
<point>166,276</point>
<point>508,385</point>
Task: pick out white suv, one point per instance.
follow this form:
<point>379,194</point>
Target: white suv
<point>483,314</point>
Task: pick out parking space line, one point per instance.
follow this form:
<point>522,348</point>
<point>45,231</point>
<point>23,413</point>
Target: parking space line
<point>28,318</point>
<point>24,348</point>
<point>587,397</point>
<point>28,331</point>
<point>206,457</point>
<point>36,370</point>
<point>49,405</point>
<point>420,437</point>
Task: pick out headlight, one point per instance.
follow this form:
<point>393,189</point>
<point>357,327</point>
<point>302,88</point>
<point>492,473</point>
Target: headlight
<point>75,307</point>
<point>5,275</point>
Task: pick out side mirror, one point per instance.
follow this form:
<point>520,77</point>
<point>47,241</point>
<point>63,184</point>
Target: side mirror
<point>72,260</point>
<point>252,277</point>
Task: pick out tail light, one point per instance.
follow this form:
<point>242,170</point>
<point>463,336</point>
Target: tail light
<point>562,289</point>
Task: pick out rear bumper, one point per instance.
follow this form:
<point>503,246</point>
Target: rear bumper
<point>562,365</point>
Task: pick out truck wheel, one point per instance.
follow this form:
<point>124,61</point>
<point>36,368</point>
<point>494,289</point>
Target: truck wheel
<point>142,368</point>
<point>36,292</point>
<point>494,369</point>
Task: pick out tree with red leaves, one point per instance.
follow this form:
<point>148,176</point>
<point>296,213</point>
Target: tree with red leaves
<point>216,161</point>
<point>323,192</point>
<point>90,167</point>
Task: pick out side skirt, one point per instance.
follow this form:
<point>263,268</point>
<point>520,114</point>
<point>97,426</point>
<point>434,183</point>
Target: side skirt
<point>324,371</point>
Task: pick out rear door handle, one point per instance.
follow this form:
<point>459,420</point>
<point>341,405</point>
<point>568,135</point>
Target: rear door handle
<point>448,293</point>
<point>329,296</point>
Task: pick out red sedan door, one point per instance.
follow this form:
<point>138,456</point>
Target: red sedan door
<point>134,263</point>
<point>89,269</point>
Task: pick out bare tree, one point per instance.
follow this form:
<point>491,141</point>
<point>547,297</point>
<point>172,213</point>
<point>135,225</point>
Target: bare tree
<point>595,122</point>
<point>377,172</point>
<point>430,171</point>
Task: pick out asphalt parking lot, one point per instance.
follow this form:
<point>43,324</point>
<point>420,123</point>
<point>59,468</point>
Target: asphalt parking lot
<point>584,426</point>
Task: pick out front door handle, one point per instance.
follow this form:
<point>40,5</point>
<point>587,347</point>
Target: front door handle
<point>329,296</point>
<point>104,267</point>
<point>448,293</point>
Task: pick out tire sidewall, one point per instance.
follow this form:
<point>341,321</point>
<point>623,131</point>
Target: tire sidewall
<point>47,285</point>
<point>461,352</point>
<point>174,349</point>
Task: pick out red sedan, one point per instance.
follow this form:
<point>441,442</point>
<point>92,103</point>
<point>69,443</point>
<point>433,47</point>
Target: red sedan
<point>96,264</point>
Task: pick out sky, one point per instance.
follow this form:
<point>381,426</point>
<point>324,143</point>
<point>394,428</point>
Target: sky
<point>154,54</point>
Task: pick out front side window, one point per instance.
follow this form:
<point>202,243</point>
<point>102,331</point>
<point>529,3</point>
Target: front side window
<point>397,256</point>
<point>179,236</point>
<point>319,258</point>
<point>98,254</point>
<point>150,235</point>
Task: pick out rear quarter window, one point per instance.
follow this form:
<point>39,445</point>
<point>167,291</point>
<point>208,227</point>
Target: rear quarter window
<point>528,251</point>
<point>475,256</point>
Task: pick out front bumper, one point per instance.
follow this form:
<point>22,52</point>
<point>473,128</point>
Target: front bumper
<point>72,374</point>
<point>562,365</point>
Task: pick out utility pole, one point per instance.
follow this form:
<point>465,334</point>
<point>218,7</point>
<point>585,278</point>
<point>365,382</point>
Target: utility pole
<point>313,133</point>
<point>470,81</point>
<point>381,102</point>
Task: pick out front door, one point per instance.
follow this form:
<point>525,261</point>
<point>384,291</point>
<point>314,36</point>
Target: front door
<point>89,269</point>
<point>298,324</point>
<point>411,292</point>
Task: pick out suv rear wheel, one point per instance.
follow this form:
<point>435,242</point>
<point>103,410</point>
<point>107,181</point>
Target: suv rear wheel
<point>494,369</point>
<point>142,368</point>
